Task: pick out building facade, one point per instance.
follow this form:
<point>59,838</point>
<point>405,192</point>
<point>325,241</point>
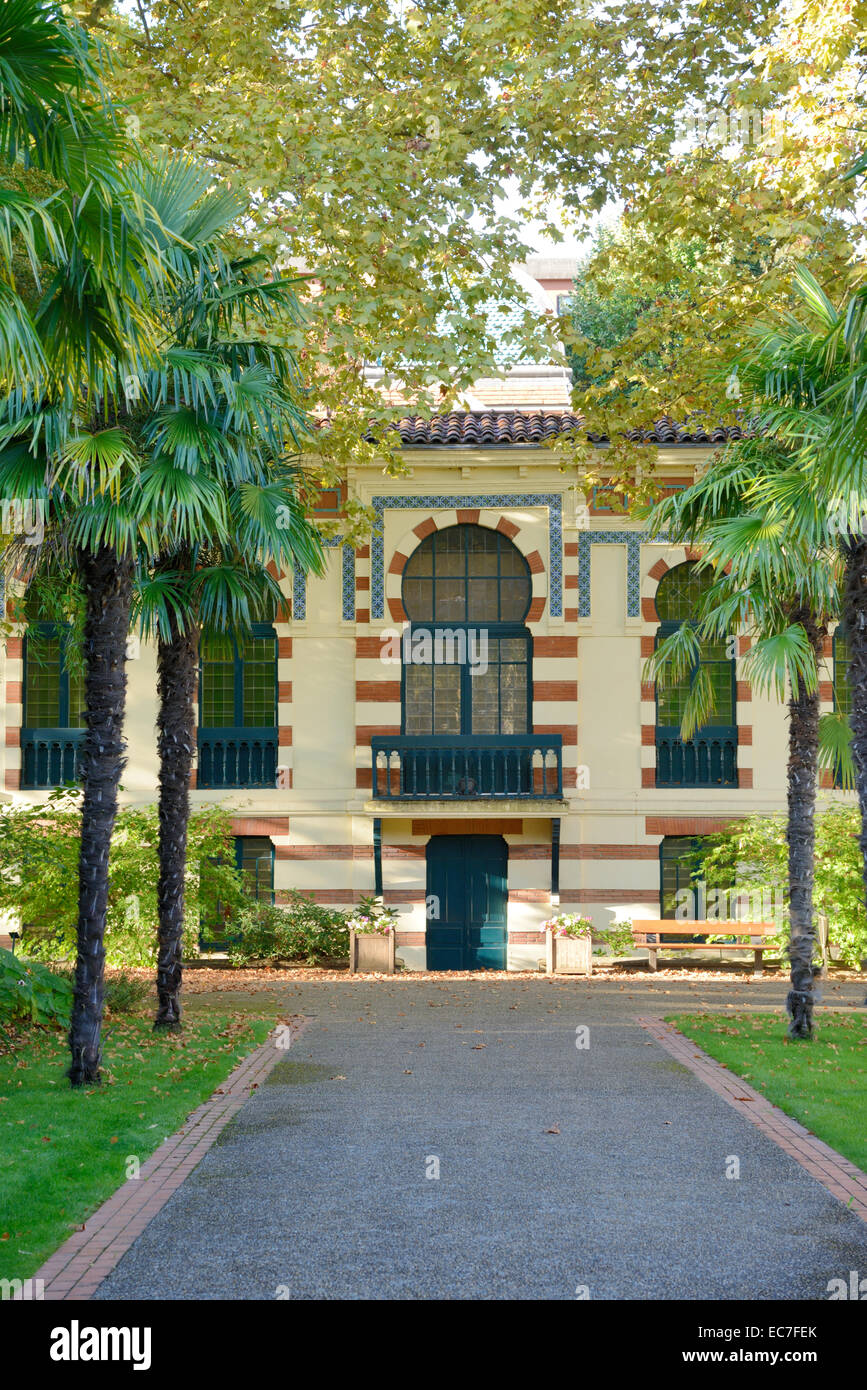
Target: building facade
<point>454,716</point>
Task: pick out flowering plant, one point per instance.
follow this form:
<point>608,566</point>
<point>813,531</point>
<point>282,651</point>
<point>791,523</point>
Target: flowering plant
<point>377,921</point>
<point>568,924</point>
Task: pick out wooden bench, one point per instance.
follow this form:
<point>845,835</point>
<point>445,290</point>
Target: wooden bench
<point>648,933</point>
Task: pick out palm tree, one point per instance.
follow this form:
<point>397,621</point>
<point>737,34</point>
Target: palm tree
<point>61,155</point>
<point>74,325</point>
<point>221,408</point>
<point>72,442</point>
<point>808,375</point>
<point>783,595</point>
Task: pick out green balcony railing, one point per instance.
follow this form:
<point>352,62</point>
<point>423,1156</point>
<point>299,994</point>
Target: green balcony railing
<point>710,759</point>
<point>468,767</point>
<point>50,757</point>
<point>237,758</point>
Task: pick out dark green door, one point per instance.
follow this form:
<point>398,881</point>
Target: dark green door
<point>466,895</point>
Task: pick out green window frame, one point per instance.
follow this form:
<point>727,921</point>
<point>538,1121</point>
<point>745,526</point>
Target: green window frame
<point>841,656</point>
<point>53,698</point>
<point>254,860</point>
<point>238,680</point>
<point>710,756</point>
<point>468,579</point>
<point>680,867</point>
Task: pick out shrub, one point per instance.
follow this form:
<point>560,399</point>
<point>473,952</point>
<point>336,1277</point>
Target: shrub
<point>752,856</point>
<point>616,939</point>
<point>29,990</point>
<point>39,847</point>
<point>301,930</point>
<point>124,992</point>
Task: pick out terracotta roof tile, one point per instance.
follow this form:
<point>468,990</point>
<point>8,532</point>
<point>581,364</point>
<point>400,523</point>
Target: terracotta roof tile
<point>466,428</point>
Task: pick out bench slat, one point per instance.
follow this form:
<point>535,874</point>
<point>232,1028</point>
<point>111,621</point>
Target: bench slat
<point>667,927</point>
<point>702,946</point>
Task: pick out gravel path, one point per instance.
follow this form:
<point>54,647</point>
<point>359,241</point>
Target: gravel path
<point>561,1168</point>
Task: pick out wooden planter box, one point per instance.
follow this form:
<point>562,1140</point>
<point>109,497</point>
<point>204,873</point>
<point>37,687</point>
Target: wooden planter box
<point>370,952</point>
<point>569,955</point>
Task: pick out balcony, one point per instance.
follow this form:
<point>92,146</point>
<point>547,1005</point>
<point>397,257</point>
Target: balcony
<point>710,759</point>
<point>237,758</point>
<point>468,768</point>
<point>50,757</point>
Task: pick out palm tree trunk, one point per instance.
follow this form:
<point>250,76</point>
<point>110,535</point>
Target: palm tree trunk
<point>801,835</point>
<point>178,666</point>
<point>107,582</point>
<point>855,621</point>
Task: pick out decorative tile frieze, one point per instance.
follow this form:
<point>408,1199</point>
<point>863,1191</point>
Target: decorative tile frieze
<point>504,500</point>
<point>633,540</point>
<point>299,583</point>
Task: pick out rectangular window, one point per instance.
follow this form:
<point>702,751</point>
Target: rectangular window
<point>679,869</point>
<point>254,856</point>
<point>53,696</point>
<point>238,682</point>
<point>217,705</point>
<point>487,695</point>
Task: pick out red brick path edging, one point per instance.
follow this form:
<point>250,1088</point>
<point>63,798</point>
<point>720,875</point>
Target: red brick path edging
<point>77,1269</point>
<point>837,1174</point>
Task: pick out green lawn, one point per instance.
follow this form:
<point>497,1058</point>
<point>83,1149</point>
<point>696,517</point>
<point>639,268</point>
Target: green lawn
<point>822,1083</point>
<point>63,1152</point>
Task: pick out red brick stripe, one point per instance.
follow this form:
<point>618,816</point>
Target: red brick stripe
<point>369,647</point>
<point>555,646</point>
<point>604,851</point>
<point>568,732</point>
<point>378,691</point>
<point>648,610</point>
<point>365,732</point>
<point>468,827</point>
<point>686,825</point>
<point>612,896</point>
<point>260,825</point>
<point>555,690</point>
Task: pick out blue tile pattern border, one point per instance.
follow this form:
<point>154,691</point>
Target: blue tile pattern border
<point>299,583</point>
<point>348,584</point>
<point>633,540</point>
<point>299,596</point>
<point>552,500</point>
